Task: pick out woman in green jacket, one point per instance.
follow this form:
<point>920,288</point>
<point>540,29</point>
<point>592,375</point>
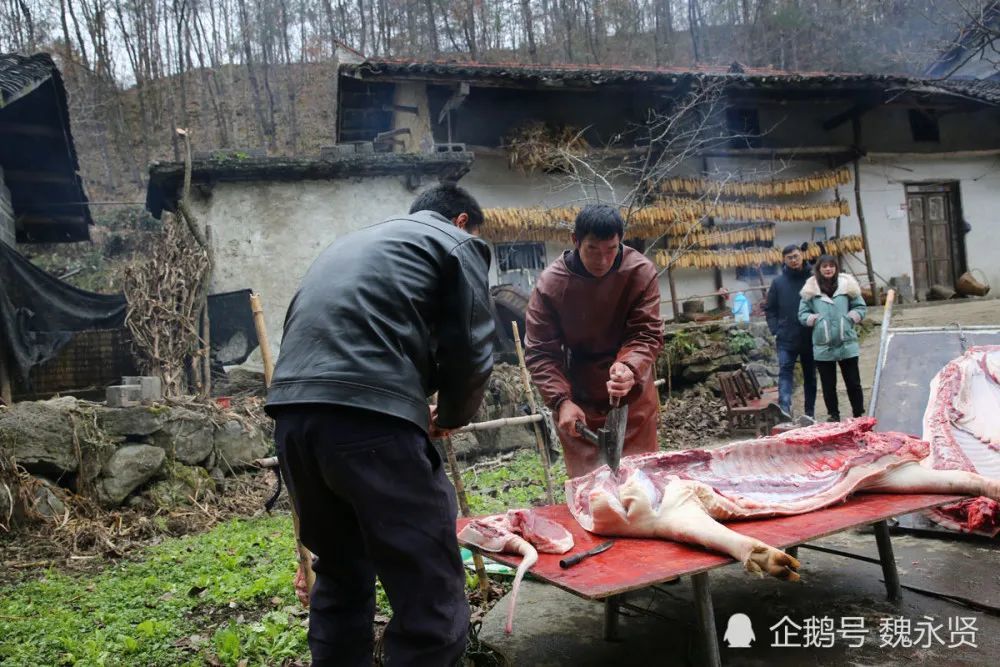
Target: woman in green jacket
<point>832,306</point>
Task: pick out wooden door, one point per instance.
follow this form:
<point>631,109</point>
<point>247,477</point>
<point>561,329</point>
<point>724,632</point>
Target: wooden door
<point>933,242</point>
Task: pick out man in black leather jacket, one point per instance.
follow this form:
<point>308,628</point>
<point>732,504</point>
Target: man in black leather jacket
<point>383,318</point>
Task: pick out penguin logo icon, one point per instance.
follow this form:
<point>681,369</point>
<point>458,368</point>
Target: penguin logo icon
<point>739,632</point>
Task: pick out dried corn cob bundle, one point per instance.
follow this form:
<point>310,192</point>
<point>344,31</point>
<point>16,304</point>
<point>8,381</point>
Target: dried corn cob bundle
<point>842,246</point>
<point>760,189</point>
<point>706,239</point>
<point>742,212</point>
<point>730,259</point>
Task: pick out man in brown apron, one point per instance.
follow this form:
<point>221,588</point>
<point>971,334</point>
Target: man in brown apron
<point>593,331</point>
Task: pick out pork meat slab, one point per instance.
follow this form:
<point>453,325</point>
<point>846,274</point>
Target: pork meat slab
<point>521,532</point>
<point>962,425</point>
<point>683,495</point>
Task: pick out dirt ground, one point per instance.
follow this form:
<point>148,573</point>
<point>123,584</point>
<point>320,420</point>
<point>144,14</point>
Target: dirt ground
<point>557,628</point>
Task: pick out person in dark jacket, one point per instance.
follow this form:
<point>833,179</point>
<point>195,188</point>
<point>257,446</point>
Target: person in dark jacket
<point>385,317</point>
<point>792,339</point>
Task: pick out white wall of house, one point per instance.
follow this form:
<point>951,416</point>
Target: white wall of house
<point>7,231</point>
<point>266,234</point>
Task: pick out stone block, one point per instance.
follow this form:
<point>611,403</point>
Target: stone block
<point>123,396</point>
<point>151,389</point>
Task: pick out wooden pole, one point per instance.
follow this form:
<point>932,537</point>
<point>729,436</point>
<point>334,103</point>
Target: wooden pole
<point>206,329</point>
<point>6,391</point>
<point>305,557</point>
<point>265,347</point>
<point>463,504</point>
<point>856,126</point>
<point>540,441</point>
<point>673,293</point>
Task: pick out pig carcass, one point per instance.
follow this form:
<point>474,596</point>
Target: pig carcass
<point>683,495</point>
<point>521,532</point>
<point>962,425</point>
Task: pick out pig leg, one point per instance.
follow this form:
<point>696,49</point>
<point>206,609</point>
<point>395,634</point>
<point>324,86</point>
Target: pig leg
<point>915,478</point>
<point>681,517</point>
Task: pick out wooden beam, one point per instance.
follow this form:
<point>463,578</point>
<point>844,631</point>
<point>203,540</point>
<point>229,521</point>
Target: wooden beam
<point>17,176</point>
<point>787,152</point>
<point>31,130</point>
<point>855,111</point>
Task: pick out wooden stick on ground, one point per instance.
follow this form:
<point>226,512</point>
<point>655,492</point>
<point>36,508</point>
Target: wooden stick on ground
<point>463,504</point>
<point>305,557</point>
<point>542,450</point>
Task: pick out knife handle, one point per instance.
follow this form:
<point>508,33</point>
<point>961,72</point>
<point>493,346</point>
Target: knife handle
<point>587,433</point>
<point>573,560</point>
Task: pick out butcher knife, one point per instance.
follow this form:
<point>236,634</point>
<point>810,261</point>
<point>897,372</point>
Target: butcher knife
<point>616,423</point>
<point>570,561</point>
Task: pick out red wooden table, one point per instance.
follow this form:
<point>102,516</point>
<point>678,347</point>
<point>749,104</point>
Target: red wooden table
<point>633,564</point>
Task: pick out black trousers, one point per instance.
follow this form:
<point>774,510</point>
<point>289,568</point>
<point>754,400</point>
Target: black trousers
<point>852,380</point>
<point>373,499</point>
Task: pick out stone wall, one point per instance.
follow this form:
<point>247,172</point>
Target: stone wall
<point>115,455</point>
<point>7,232</point>
<point>695,353</point>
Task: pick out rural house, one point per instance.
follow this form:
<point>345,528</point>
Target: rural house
<point>41,194</point>
<point>42,199</point>
<point>924,153</point>
<point>916,158</point>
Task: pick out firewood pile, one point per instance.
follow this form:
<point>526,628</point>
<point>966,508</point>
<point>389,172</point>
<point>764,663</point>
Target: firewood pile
<point>163,295</point>
<point>692,417</point>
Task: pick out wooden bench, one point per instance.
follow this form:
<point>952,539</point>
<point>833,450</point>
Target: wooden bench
<point>634,564</point>
<point>748,407</point>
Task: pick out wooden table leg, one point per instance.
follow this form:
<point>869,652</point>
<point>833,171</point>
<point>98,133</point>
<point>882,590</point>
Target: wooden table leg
<point>706,620</point>
<point>888,561</point>
<point>611,610</point>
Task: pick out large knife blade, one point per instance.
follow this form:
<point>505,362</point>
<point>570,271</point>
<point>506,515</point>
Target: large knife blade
<point>616,424</point>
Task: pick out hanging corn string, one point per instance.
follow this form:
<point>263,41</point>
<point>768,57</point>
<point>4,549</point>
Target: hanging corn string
<point>730,259</point>
<point>670,216</point>
<point>708,238</point>
<point>759,189</point>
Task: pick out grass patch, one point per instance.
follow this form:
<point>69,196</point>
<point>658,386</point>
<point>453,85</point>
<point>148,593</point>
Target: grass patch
<point>222,596</point>
<point>512,483</point>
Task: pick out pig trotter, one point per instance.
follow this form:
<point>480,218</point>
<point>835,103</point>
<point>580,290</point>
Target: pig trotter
<point>768,560</point>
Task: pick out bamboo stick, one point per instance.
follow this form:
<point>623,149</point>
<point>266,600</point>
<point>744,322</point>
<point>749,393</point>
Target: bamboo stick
<point>856,129</point>
<point>265,347</point>
<point>463,504</point>
<point>493,424</point>
<point>305,556</point>
<point>542,450</point>
<point>206,326</point>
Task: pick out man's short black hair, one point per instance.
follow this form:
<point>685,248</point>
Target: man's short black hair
<point>601,220</point>
<point>450,201</point>
<point>789,249</point>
